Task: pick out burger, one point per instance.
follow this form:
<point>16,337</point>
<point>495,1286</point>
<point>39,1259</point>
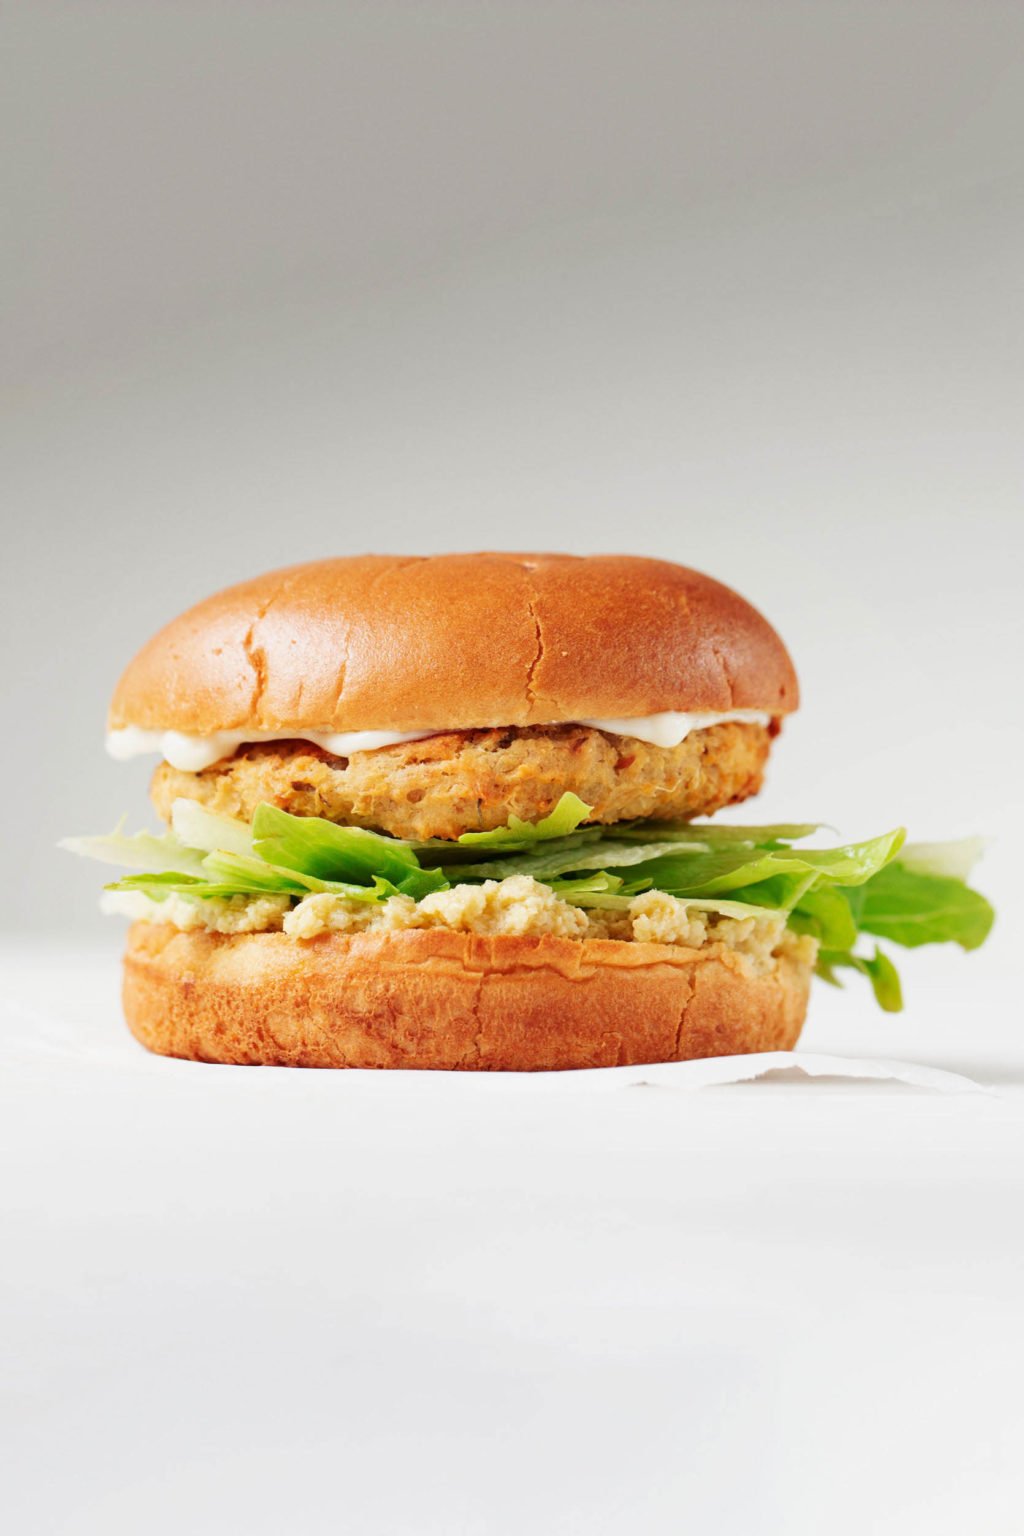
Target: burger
<point>453,812</point>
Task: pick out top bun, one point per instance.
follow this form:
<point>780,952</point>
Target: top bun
<point>377,642</point>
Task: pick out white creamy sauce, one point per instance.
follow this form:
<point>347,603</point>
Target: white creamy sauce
<point>193,753</point>
<point>671,727</point>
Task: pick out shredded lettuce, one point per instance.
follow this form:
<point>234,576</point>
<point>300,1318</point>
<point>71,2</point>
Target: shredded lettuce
<point>900,893</point>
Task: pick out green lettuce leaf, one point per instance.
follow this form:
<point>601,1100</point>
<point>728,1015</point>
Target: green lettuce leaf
<point>196,827</point>
<point>774,875</point>
<point>596,848</point>
<point>563,855</point>
<point>598,890</point>
<point>565,818</point>
<point>321,849</point>
<point>786,872</point>
<point>139,850</point>
<point>878,968</point>
<point>904,894</point>
<point>714,836</point>
<point>257,874</point>
<point>826,915</point>
<point>231,874</point>
<point>159,887</point>
<point>907,907</point>
<point>953,859</point>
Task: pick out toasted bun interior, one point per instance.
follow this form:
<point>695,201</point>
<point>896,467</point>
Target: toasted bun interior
<point>443,1000</point>
<point>456,642</point>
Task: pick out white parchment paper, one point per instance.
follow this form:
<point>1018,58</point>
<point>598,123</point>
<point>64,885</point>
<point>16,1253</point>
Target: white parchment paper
<point>51,1037</point>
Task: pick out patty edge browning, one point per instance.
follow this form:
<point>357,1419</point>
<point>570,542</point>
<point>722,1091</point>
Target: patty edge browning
<point>460,781</point>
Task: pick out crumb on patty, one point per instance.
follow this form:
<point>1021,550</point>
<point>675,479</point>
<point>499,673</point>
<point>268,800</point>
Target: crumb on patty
<point>462,781</point>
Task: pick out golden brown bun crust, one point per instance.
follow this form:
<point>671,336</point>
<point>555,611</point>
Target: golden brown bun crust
<point>442,1000</point>
<point>456,641</point>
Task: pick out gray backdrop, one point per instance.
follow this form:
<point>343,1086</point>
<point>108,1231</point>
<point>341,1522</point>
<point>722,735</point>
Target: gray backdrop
<point>735,284</point>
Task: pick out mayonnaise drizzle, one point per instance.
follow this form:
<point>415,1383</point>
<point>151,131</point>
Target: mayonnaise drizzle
<point>193,753</point>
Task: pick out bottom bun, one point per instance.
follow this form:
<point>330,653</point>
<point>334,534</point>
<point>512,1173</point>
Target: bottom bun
<point>443,1000</point>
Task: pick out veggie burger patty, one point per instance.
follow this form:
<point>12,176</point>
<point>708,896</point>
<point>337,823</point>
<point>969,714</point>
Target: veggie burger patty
<point>462,781</point>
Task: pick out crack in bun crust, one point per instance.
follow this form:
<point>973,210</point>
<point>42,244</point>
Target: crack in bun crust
<point>449,1001</point>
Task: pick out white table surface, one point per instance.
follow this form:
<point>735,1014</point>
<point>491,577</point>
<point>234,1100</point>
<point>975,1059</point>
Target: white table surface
<point>272,1301</point>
